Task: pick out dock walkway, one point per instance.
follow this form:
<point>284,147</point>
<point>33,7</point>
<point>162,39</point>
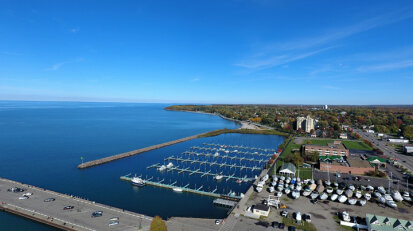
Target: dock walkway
<point>135,152</point>
<point>79,218</point>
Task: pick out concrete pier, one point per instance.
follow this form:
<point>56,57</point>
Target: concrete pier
<point>52,213</point>
<point>136,152</point>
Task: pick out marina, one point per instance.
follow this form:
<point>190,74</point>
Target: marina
<point>236,169</point>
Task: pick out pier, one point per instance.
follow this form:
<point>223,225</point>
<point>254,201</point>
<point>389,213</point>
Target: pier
<point>223,156</point>
<point>52,213</point>
<point>205,162</point>
<point>135,152</point>
<point>186,189</point>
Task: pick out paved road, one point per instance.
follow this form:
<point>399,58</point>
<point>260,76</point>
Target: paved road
<point>388,150</point>
<point>79,218</point>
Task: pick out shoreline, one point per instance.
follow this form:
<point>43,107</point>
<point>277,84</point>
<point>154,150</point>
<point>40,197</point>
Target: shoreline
<point>244,124</point>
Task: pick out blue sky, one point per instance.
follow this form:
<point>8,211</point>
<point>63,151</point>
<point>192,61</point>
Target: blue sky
<point>227,51</point>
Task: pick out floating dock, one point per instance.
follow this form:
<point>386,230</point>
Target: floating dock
<point>215,163</point>
<point>224,156</point>
<point>224,203</point>
<point>52,213</point>
<point>135,152</point>
<point>185,189</point>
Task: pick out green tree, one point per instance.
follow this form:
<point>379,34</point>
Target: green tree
<point>158,224</point>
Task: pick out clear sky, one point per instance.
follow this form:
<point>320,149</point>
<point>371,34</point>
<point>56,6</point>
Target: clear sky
<point>225,51</point>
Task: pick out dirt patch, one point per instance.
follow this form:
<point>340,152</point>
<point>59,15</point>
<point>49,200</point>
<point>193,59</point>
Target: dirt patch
<point>319,216</point>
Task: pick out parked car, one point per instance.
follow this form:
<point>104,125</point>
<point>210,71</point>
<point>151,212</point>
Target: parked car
<point>281,226</point>
<point>275,224</point>
<point>284,213</point>
<point>218,222</point>
<point>49,199</point>
<point>69,207</point>
<point>23,197</point>
<point>291,228</point>
<point>97,214</point>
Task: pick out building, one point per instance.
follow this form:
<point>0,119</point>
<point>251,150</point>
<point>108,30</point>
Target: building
<point>345,164</point>
<point>305,123</point>
<point>382,223</point>
<point>408,149</point>
<point>261,210</point>
<point>343,135</point>
<point>336,148</point>
<point>369,131</point>
<point>288,169</point>
<point>325,107</point>
<point>398,141</point>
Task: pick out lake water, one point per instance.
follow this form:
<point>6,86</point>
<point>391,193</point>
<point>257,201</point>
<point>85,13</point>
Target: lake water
<point>41,144</point>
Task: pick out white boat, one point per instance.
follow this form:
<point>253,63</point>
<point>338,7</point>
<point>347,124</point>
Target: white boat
<point>288,180</point>
<point>351,187</point>
<point>388,197</point>
<point>367,196</point>
<point>242,195</point>
<point>333,197</point>
<point>298,217</point>
<point>323,196</point>
<point>381,190</point>
<point>345,216</point>
<point>349,193</point>
<point>216,154</point>
<point>295,194</point>
<point>280,188</point>
<point>329,190</point>
<point>335,184</point>
<point>287,190</point>
<point>218,177</point>
<point>363,188</point>
<point>376,194</point>
<point>170,165</point>
<point>177,189</point>
<point>163,167</point>
<point>352,201</point>
<point>327,183</point>
<point>279,194</point>
<point>391,204</point>
<point>406,196</point>
<point>362,202</point>
<point>138,181</point>
<point>358,194</point>
<point>298,187</point>
<point>274,183</point>
<point>271,189</point>
<point>339,191</point>
<point>282,177</point>
<point>314,195</point>
<point>258,188</point>
<point>370,188</point>
<point>381,199</point>
<point>396,195</point>
<point>265,177</point>
<point>306,192</point>
<point>342,199</point>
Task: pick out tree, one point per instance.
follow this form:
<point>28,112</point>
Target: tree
<point>298,160</point>
<point>158,224</point>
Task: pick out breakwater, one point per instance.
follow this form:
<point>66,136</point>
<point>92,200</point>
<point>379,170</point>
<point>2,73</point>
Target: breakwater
<point>138,151</point>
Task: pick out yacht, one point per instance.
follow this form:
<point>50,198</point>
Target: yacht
<point>314,195</point>
<point>216,154</point>
<point>279,194</point>
<point>323,196</point>
<point>391,204</point>
<point>381,199</point>
<point>287,190</point>
<point>169,165</point>
<point>377,194</point>
<point>352,201</point>
<point>388,197</point>
<point>342,199</point>
<point>358,194</point>
<point>329,190</point>
<point>176,189</point>
<point>306,192</point>
<point>335,184</point>
<point>367,196</point>
<point>370,188</point>
<point>138,181</point>
<point>258,188</point>
<point>349,193</point>
<point>271,189</point>
<point>298,187</point>
<point>362,202</point>
<point>219,177</point>
<point>295,194</point>
<point>406,196</point>
<point>345,216</point>
<point>351,187</point>
<point>334,197</point>
<point>381,190</point>
<point>163,167</point>
<point>339,191</point>
<point>396,195</point>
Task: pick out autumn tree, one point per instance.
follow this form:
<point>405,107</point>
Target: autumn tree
<point>158,224</point>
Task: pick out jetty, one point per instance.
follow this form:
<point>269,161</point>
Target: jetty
<point>215,163</point>
<point>185,188</point>
<point>79,218</point>
<point>135,152</point>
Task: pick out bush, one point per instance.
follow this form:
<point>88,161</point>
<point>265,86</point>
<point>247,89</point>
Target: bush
<point>158,224</point>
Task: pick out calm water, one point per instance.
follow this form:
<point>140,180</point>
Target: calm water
<point>53,136</point>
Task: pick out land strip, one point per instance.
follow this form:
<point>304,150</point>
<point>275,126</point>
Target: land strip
<point>53,214</point>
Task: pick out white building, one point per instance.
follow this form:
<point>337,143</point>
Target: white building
<point>261,210</point>
<point>325,107</point>
<point>343,135</point>
<point>305,123</point>
<point>398,141</point>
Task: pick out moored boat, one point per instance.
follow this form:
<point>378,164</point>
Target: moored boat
<point>138,181</point>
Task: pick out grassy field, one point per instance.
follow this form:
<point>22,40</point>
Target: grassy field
<point>305,173</point>
<point>302,226</point>
<point>350,144</point>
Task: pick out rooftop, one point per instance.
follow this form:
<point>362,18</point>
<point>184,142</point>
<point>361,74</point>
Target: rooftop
<point>336,144</point>
<point>382,223</point>
<point>261,207</point>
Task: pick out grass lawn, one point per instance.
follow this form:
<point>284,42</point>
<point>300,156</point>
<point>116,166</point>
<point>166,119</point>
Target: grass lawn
<point>320,142</point>
<point>305,173</point>
<point>356,145</point>
<point>303,225</point>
